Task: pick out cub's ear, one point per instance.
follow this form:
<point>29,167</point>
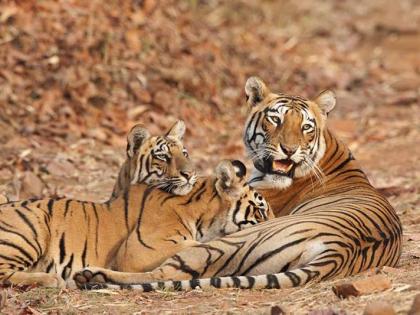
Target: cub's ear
<point>255,90</point>
<point>177,130</point>
<point>135,138</point>
<point>326,101</point>
<point>230,178</point>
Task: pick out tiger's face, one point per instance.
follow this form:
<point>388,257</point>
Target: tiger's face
<point>284,134</point>
<point>161,161</point>
<point>247,206</point>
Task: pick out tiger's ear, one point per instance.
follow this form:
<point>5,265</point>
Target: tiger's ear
<point>135,138</point>
<point>177,130</point>
<point>255,90</point>
<point>326,101</point>
<point>230,178</point>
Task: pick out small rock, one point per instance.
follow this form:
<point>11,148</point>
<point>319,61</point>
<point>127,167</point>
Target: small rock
<point>277,310</point>
<point>379,308</point>
<point>413,237</point>
<point>32,186</point>
<point>364,286</point>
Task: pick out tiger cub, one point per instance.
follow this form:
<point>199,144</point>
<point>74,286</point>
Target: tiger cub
<point>167,224</point>
<point>161,161</point>
<point>44,241</point>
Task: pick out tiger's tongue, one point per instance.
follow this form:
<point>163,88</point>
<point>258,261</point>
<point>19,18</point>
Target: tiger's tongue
<point>282,165</point>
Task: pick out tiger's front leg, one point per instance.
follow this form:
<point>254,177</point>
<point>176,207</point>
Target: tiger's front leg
<point>138,265</point>
<point>190,263</point>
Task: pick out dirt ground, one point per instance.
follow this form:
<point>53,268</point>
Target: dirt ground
<point>76,75</point>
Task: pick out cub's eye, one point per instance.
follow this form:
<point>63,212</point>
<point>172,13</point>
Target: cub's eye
<point>162,157</point>
<point>306,127</point>
<point>185,153</point>
<point>274,120</point>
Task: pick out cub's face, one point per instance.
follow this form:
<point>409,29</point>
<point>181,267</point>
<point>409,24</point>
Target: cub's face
<point>247,206</point>
<point>284,134</point>
<point>161,161</point>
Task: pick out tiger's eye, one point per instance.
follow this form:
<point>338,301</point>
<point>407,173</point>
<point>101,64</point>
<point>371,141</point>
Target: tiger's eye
<point>274,120</point>
<point>306,127</point>
<point>162,157</point>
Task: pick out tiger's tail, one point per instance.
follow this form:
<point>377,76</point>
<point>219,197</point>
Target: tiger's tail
<point>288,279</point>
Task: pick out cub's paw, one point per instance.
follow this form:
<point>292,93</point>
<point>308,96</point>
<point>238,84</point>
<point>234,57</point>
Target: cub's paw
<point>90,279</point>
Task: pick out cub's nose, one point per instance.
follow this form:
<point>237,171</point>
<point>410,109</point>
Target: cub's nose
<point>187,174</point>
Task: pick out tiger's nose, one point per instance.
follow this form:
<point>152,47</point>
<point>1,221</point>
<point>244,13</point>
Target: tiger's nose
<point>288,150</point>
<point>187,174</point>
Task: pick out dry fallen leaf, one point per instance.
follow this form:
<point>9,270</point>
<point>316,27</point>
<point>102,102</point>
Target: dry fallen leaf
<point>379,308</point>
<point>361,287</point>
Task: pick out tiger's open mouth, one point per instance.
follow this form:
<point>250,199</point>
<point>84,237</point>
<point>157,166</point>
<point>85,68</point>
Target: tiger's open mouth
<point>285,167</point>
<point>282,166</point>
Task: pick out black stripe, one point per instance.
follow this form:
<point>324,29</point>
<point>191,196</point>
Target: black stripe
<point>28,222</point>
<point>62,249</point>
<point>84,254</point>
<point>23,237</point>
<point>236,282</point>
<point>195,283</point>
<point>49,267</point>
<point>251,282</point>
<point>50,206</point>
<point>293,278</point>
<point>20,250</point>
<point>147,287</point>
<point>142,206</point>
<point>67,207</point>
<point>126,196</point>
<point>177,285</point>
<point>272,282</point>
<point>183,267</point>
<point>18,260</point>
<point>215,282</point>
<point>96,228</point>
<point>269,254</point>
<point>197,192</point>
<point>67,268</point>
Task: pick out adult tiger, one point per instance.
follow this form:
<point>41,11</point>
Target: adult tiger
<point>339,223</point>
<point>45,241</point>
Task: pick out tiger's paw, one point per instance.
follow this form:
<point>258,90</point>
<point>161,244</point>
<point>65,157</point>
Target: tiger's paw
<point>90,279</point>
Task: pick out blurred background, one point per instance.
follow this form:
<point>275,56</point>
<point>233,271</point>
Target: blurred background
<point>76,75</point>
